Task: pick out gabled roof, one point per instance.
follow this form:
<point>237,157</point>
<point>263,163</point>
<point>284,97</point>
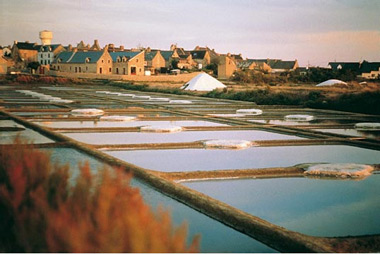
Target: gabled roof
<point>367,67</point>
<point>246,63</point>
<point>150,55</point>
<point>287,65</point>
<point>354,66</point>
<point>166,54</point>
<point>79,57</point>
<point>198,54</point>
<point>45,48</point>
<point>127,54</point>
<point>27,46</point>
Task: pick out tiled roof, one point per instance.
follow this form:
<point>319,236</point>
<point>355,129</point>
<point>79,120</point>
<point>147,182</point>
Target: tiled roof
<point>150,55</point>
<point>127,54</point>
<point>367,67</point>
<point>354,66</point>
<point>63,57</point>
<point>282,64</point>
<point>28,46</point>
<point>198,54</point>
<point>166,54</point>
<point>79,57</point>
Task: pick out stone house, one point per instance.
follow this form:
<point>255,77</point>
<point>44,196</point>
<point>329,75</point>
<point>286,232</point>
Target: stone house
<point>98,62</point>
<point>226,66</point>
<point>370,70</point>
<point>25,52</point>
<point>128,62</point>
<point>279,66</point>
<point>154,61</point>
<point>169,56</point>
<point>201,58</point>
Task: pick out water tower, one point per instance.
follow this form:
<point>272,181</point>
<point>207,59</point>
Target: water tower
<point>46,37</point>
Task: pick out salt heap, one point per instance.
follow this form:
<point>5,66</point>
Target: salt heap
<point>117,118</point>
<point>250,112</point>
<point>87,111</point>
<point>101,92</point>
<point>299,118</point>
<point>332,82</point>
<point>227,144</point>
<point>368,126</point>
<point>180,101</point>
<point>342,170</point>
<point>162,128</point>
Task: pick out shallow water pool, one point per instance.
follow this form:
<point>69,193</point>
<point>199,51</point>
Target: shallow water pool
<point>310,206</point>
<point>254,157</point>
<point>178,137</point>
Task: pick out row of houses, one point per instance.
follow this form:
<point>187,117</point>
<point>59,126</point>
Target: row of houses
<point>364,69</point>
<point>229,63</point>
<point>86,58</point>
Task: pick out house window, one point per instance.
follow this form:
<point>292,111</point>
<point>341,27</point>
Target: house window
<point>86,68</point>
<point>80,69</point>
<point>123,71</point>
<point>76,69</point>
<point>137,60</point>
<point>117,70</point>
<point>108,61</point>
<point>133,70</point>
<point>42,61</point>
<point>102,61</point>
<point>110,70</point>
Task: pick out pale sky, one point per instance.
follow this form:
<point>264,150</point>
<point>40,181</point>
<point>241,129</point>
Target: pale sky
<point>312,31</point>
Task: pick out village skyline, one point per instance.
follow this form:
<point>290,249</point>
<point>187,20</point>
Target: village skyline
<point>313,32</point>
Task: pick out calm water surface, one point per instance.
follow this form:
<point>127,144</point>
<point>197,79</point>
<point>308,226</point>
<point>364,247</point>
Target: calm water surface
<point>254,157</point>
<point>310,206</point>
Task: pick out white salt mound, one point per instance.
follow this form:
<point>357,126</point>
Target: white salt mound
<point>251,112</point>
<point>342,170</point>
<point>368,126</point>
<point>163,128</point>
<point>101,92</point>
<point>117,118</point>
<point>180,101</point>
<point>332,82</point>
<point>299,118</point>
<point>61,101</point>
<point>227,144</point>
<point>87,111</point>
<point>227,115</point>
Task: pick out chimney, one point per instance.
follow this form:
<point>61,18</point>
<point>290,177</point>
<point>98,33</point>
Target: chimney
<point>15,42</point>
<point>121,47</point>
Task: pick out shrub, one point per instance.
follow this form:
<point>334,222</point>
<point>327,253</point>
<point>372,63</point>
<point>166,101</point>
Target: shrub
<point>41,211</point>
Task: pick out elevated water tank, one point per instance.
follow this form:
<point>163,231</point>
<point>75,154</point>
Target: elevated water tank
<point>46,37</point>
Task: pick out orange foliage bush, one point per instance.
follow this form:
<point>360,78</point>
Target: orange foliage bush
<point>40,211</point>
<point>24,79</point>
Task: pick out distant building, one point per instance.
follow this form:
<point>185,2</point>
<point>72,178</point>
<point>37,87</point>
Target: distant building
<point>154,61</point>
<point>226,67</point>
<point>128,63</point>
<point>25,51</point>
<point>370,70</point>
<point>350,66</point>
<point>98,62</point>
<point>279,66</point>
